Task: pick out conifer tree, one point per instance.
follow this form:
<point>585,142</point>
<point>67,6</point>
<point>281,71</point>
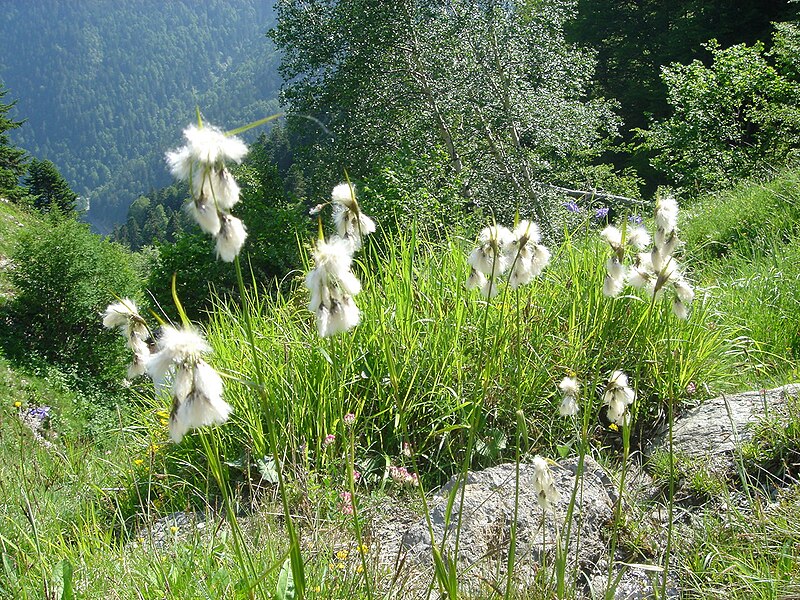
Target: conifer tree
<point>12,159</point>
<point>48,188</point>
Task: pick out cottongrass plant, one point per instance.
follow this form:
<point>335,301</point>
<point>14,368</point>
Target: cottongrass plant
<point>124,315</point>
<point>196,388</point>
<point>202,163</point>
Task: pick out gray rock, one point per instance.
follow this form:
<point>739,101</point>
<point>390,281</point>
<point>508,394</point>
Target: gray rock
<point>485,532</point>
<point>713,430</point>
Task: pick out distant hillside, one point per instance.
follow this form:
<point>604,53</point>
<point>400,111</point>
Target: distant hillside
<point>108,85</point>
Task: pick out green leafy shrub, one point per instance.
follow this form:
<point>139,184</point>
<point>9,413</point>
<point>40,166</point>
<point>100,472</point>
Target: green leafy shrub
<point>64,277</point>
<point>737,118</point>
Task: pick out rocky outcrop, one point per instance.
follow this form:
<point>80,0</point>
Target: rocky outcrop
<point>711,432</point>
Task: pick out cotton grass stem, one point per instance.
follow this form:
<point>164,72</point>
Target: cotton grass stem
<point>295,552</point>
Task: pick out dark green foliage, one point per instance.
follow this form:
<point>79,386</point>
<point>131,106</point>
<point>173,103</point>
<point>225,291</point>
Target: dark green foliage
<point>48,190</point>
<point>738,118</point>
<point>112,84</point>
<point>12,159</point>
<point>65,276</point>
<point>634,39</point>
<point>494,86</point>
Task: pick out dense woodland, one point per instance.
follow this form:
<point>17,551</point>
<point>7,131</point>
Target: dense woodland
<point>102,85</point>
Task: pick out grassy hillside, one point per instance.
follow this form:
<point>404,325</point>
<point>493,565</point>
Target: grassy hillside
<point>105,497</point>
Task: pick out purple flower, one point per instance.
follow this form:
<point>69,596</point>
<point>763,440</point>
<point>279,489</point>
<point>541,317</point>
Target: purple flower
<point>329,439</point>
<point>572,206</point>
<point>635,220</point>
<point>601,213</point>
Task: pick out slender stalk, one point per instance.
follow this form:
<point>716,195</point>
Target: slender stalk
<point>295,553</point>
<point>626,445</point>
<point>354,504</point>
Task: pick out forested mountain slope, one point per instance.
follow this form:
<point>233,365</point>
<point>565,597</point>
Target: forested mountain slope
<point>107,85</point>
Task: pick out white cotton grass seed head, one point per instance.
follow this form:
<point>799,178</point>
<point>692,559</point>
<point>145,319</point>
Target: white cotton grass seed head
<point>219,186</point>
<point>618,397</point>
<point>569,386</point>
<point>351,224</point>
<point>543,484</point>
<point>174,346</point>
<point>615,269</point>
<point>612,287</point>
<point>638,238</point>
<point>490,287</point>
<point>344,194</point>
<point>568,406</point>
<point>197,400</point>
<point>231,237</point>
<point>527,231</point>
<point>476,279</point>
<point>667,213</point>
<point>205,214</point>
<point>210,146</point>
<point>332,287</point>
<point>491,256</point>
<point>613,236</point>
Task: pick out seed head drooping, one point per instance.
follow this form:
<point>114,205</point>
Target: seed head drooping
<point>351,224</point>
<point>196,388</point>
<point>201,162</point>
<point>333,287</point>
<point>124,315</point>
<point>490,259</point>
<point>543,485</point>
<point>526,255</point>
<point>618,397</point>
<point>570,388</point>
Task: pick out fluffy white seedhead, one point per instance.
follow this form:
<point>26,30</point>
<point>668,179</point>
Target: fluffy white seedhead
<point>205,214</point>
<point>612,287</point>
<point>543,485</point>
<point>527,231</point>
<point>231,237</point>
<point>351,224</point>
<point>684,291</point>
<point>125,316</point>
<point>476,279</point>
<point>209,146</point>
<point>618,397</point>
<point>332,287</point>
<point>175,346</point>
<point>569,386</point>
<point>613,236</point>
<point>638,238</point>
<point>196,399</point>
<point>341,315</point>
<point>344,194</point>
<point>615,269</point>
<point>218,185</point>
<point>491,257</point>
<point>141,354</point>
<point>205,148</point>
<point>490,287</point>
<point>680,309</point>
<point>667,214</point>
<point>568,406</point>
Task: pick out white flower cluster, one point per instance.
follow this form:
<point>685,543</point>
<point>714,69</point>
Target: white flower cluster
<point>124,315</point>
<point>570,388</point>
<point>331,283</point>
<point>351,224</point>
<point>652,271</point>
<point>500,249</point>
<point>202,163</point>
<point>196,388</point>
<point>543,485</point>
<point>618,397</point>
